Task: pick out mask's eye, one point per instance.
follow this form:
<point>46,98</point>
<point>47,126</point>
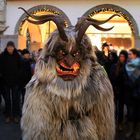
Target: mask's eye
<point>61,52</point>
<point>76,54</point>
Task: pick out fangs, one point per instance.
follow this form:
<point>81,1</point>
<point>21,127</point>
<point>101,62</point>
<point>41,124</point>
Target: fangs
<point>62,70</point>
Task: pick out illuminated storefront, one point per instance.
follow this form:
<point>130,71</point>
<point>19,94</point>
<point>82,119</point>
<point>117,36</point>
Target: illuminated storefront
<point>34,36</point>
<point>124,35</point>
<point>121,36</point>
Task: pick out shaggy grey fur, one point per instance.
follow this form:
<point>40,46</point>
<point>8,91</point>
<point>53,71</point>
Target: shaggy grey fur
<point>82,109</point>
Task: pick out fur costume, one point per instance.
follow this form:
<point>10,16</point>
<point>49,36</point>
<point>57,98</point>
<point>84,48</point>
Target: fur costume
<point>74,106</point>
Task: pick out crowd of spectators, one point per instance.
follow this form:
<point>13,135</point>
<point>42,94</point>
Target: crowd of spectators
<point>124,74</point>
<point>16,70</point>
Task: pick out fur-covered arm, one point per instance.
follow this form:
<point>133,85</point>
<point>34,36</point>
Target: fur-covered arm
<point>103,111</point>
<point>35,123</point>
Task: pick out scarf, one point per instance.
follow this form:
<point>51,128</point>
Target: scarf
<point>133,68</point>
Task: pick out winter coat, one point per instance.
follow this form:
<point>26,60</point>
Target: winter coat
<point>117,75</point>
<point>26,72</point>
<point>10,67</point>
<point>132,88</point>
<point>136,90</point>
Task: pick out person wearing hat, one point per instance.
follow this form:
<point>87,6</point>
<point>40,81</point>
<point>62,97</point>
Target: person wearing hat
<point>105,48</point>
<point>26,71</point>
<point>10,64</point>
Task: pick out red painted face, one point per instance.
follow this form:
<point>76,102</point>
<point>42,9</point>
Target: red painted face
<point>69,62</point>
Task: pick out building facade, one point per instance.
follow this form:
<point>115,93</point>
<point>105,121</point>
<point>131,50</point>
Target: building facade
<point>124,35</point>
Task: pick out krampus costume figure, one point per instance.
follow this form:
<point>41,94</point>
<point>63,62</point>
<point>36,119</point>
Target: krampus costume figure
<point>69,97</point>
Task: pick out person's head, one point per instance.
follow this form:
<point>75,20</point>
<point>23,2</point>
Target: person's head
<point>105,48</point>
<point>123,56</point>
<point>112,56</point>
<point>10,47</point>
<point>26,54</point>
<point>132,54</point>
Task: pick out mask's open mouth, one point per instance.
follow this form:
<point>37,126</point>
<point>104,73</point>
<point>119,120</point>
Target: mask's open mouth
<point>62,69</point>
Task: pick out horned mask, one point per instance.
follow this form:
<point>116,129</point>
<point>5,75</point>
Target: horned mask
<point>72,46</point>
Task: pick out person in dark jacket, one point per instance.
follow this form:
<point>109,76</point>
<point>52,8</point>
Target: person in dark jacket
<point>105,49</point>
<point>116,77</point>
<point>132,87</point>
<point>10,64</point>
<point>101,58</point>
<point>26,71</point>
<point>112,60</point>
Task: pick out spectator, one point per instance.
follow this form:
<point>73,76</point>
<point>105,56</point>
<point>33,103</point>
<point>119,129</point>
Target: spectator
<point>112,59</point>
<point>117,80</point>
<point>10,64</point>
<point>101,58</point>
<point>109,57</point>
<point>26,71</point>
<point>132,87</point>
<point>105,49</point>
<point>33,63</point>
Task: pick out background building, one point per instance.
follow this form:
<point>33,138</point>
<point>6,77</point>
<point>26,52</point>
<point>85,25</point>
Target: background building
<point>125,33</point>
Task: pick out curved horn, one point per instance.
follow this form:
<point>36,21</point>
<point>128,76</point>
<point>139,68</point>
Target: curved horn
<point>58,20</point>
<point>85,22</point>
<point>83,29</point>
<point>59,23</point>
<point>99,22</point>
<point>34,16</point>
